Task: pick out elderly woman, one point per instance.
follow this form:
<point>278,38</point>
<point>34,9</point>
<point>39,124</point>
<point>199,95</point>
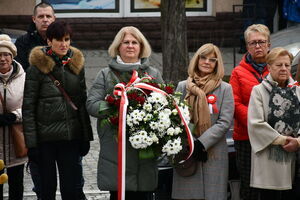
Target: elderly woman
<point>273,126</point>
<point>129,51</point>
<point>250,72</point>
<point>56,124</point>
<point>204,88</point>
<point>12,78</point>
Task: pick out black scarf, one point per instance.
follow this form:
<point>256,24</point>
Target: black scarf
<point>259,67</point>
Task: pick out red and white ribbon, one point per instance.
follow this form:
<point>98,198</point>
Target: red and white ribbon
<point>121,90</point>
<point>211,100</point>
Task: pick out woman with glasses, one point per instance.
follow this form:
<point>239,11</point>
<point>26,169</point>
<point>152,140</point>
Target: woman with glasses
<point>12,78</point>
<point>273,126</point>
<point>211,108</point>
<point>129,51</point>
<point>250,72</point>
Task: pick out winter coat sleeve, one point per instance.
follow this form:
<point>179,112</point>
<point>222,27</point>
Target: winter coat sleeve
<point>97,95</point>
<point>83,114</point>
<point>29,108</point>
<point>240,109</point>
<point>212,135</point>
<point>261,134</point>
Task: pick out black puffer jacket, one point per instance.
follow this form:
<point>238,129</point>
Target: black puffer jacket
<point>47,116</point>
<point>26,43</point>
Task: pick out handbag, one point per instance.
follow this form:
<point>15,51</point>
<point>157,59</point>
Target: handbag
<point>187,168</point>
<point>16,131</point>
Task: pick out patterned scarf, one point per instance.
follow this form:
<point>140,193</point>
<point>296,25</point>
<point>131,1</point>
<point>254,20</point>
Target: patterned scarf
<point>283,116</point>
<point>60,61</point>
<point>197,88</point>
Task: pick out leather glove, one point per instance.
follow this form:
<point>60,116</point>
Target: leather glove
<point>33,155</point>
<point>199,152</point>
<point>7,119</point>
<point>84,148</point>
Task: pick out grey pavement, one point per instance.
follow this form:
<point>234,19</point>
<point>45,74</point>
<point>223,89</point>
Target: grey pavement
<point>96,60</point>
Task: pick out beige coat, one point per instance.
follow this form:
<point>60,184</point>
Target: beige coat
<point>266,173</point>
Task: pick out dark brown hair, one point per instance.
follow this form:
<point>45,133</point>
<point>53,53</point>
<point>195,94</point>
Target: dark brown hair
<point>58,30</point>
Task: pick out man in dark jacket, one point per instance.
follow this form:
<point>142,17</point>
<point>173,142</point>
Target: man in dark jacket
<point>43,16</point>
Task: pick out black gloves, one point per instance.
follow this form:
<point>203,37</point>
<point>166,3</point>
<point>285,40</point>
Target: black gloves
<point>33,155</point>
<point>199,152</point>
<point>7,119</point>
<point>84,148</point>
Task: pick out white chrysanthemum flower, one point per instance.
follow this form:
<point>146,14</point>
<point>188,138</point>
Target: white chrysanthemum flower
<point>167,111</point>
<point>154,137</point>
<point>148,117</point>
<point>278,113</point>
<point>277,100</point>
<point>279,126</point>
<point>153,125</point>
<point>177,130</point>
<point>147,107</point>
<point>140,140</point>
<point>172,147</point>
<point>170,131</point>
<point>163,116</point>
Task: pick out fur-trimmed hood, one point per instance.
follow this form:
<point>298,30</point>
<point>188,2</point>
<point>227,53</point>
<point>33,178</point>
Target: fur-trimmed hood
<point>45,63</point>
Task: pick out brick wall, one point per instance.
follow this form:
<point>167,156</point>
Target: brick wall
<point>92,33</point>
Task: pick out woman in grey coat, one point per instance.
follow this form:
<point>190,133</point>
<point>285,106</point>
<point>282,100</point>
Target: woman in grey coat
<point>212,109</point>
<point>129,51</point>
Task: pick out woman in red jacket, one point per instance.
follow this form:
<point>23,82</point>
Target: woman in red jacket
<point>250,72</point>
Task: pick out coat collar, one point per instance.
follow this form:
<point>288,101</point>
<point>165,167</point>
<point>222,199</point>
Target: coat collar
<point>45,64</point>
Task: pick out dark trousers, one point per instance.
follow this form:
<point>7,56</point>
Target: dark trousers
<point>276,194</point>
<point>243,161</point>
<point>65,155</point>
<point>15,182</point>
<point>132,195</point>
<point>35,176</point>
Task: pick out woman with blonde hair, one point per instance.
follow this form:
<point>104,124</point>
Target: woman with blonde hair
<point>129,51</point>
<point>211,103</point>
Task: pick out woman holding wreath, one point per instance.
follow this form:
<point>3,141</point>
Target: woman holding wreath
<point>129,51</point>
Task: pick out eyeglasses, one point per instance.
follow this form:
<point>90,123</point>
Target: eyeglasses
<point>4,54</point>
<point>133,43</point>
<point>210,60</point>
<point>259,43</point>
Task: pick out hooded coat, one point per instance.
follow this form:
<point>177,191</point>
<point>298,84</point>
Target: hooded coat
<point>47,114</point>
<point>13,98</point>
<point>141,174</point>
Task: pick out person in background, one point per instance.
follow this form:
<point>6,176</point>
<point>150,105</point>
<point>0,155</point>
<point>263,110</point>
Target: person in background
<point>129,51</point>
<point>291,12</point>
<point>12,78</point>
<point>56,124</point>
<point>250,72</point>
<point>43,16</point>
<point>204,86</point>
<point>273,127</point>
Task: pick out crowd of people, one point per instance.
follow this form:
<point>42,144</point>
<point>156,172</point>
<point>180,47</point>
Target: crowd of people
<point>42,87</point>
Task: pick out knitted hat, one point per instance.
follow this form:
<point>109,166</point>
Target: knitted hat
<point>7,46</point>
